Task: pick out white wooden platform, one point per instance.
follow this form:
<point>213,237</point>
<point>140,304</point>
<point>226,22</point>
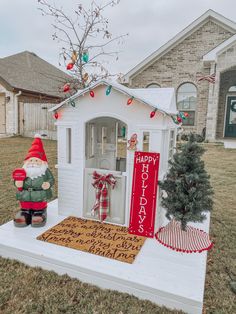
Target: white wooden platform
<point>159,274</point>
<point>230,143</point>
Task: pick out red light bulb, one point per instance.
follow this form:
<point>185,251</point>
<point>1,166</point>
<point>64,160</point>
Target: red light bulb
<point>69,66</point>
<point>179,119</point>
<point>186,114</point>
<point>66,88</point>
<point>56,115</point>
<point>130,100</point>
<point>92,93</point>
<point>152,114</point>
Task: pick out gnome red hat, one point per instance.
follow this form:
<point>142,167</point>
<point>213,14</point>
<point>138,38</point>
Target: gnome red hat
<point>37,149</point>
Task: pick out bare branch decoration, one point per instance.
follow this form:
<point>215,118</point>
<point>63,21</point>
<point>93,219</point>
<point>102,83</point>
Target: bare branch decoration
<point>86,37</point>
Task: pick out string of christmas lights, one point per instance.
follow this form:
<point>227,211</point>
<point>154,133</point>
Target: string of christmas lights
<point>177,119</point>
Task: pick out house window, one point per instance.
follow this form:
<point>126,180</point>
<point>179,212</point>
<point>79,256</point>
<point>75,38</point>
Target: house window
<point>146,136</point>
<point>153,85</point>
<point>187,101</point>
<point>232,89</point>
<point>171,144</point>
<point>68,145</point>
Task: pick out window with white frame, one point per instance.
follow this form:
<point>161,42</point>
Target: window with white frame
<point>187,102</point>
<point>232,89</point>
<point>153,85</point>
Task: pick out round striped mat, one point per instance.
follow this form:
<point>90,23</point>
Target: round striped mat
<point>192,240</point>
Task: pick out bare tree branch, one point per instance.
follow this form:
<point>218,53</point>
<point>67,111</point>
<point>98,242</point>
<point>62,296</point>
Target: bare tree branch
<point>85,34</point>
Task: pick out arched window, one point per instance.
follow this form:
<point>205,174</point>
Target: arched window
<point>153,85</point>
<point>187,101</point>
<point>232,89</point>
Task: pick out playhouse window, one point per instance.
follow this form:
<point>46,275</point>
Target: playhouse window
<point>90,150</point>
<point>104,139</point>
<point>68,145</point>
<point>171,144</point>
<point>146,137</point>
<point>106,144</point>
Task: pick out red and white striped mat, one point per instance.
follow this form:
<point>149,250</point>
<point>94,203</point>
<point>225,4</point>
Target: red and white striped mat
<point>190,241</point>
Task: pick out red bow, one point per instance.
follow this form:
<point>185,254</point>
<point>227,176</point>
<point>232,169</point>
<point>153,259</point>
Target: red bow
<point>101,184</point>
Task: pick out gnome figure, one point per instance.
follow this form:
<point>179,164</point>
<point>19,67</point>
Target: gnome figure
<point>34,182</point>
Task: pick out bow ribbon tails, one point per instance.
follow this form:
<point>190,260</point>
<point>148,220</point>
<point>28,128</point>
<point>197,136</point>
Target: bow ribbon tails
<point>101,184</point>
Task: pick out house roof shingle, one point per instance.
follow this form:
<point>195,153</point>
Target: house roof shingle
<point>27,71</point>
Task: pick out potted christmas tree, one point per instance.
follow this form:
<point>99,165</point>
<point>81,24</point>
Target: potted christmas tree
<point>187,193</point>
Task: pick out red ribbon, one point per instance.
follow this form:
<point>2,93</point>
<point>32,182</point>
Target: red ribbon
<point>101,184</point>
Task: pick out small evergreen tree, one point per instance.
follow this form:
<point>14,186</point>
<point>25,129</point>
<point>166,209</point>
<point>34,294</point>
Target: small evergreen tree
<point>188,190</point>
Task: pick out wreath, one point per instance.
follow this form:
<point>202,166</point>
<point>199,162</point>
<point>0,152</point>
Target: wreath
<point>233,106</point>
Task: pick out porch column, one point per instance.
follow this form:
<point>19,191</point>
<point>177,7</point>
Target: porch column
<point>212,109</point>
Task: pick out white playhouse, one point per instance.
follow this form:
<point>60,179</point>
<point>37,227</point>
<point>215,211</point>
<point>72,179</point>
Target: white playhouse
<point>93,135</point>
<point>99,129</point>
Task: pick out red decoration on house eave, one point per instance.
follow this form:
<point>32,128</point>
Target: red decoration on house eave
<point>130,100</point>
<point>56,115</point>
<point>152,114</point>
<point>92,93</point>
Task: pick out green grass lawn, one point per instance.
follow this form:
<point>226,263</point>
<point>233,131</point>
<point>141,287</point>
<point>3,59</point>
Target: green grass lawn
<point>32,290</point>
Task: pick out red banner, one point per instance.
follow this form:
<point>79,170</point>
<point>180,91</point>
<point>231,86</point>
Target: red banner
<point>144,191</point>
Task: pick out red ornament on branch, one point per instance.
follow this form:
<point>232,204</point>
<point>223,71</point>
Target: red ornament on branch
<point>70,66</point>
<point>66,88</point>
<point>130,100</point>
<point>153,113</point>
<point>92,93</point>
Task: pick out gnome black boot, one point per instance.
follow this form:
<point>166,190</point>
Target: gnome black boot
<point>39,218</point>
<point>22,218</point>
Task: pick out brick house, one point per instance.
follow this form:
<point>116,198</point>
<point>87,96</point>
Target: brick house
<point>207,46</point>
<point>29,86</point>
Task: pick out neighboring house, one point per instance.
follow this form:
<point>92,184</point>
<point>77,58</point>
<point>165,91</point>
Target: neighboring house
<point>205,47</point>
<point>29,86</point>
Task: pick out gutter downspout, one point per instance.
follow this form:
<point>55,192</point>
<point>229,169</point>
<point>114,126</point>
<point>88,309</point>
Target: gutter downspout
<point>16,111</point>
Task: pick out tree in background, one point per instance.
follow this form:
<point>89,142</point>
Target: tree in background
<point>187,193</point>
<point>86,39</point>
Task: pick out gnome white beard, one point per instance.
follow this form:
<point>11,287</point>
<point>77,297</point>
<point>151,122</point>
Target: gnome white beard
<point>34,171</point>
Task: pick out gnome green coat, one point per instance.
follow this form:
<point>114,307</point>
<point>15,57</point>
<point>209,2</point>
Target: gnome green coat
<point>33,191</point>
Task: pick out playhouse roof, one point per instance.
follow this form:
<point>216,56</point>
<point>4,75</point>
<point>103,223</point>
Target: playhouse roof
<point>162,99</point>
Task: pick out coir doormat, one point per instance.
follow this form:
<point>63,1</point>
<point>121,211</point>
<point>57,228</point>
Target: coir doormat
<point>94,237</point>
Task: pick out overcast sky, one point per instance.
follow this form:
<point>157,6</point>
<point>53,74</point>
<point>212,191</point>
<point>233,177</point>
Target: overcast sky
<point>150,24</point>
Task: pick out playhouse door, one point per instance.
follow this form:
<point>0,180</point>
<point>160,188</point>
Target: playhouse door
<point>116,210</point>
<point>103,156</point>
